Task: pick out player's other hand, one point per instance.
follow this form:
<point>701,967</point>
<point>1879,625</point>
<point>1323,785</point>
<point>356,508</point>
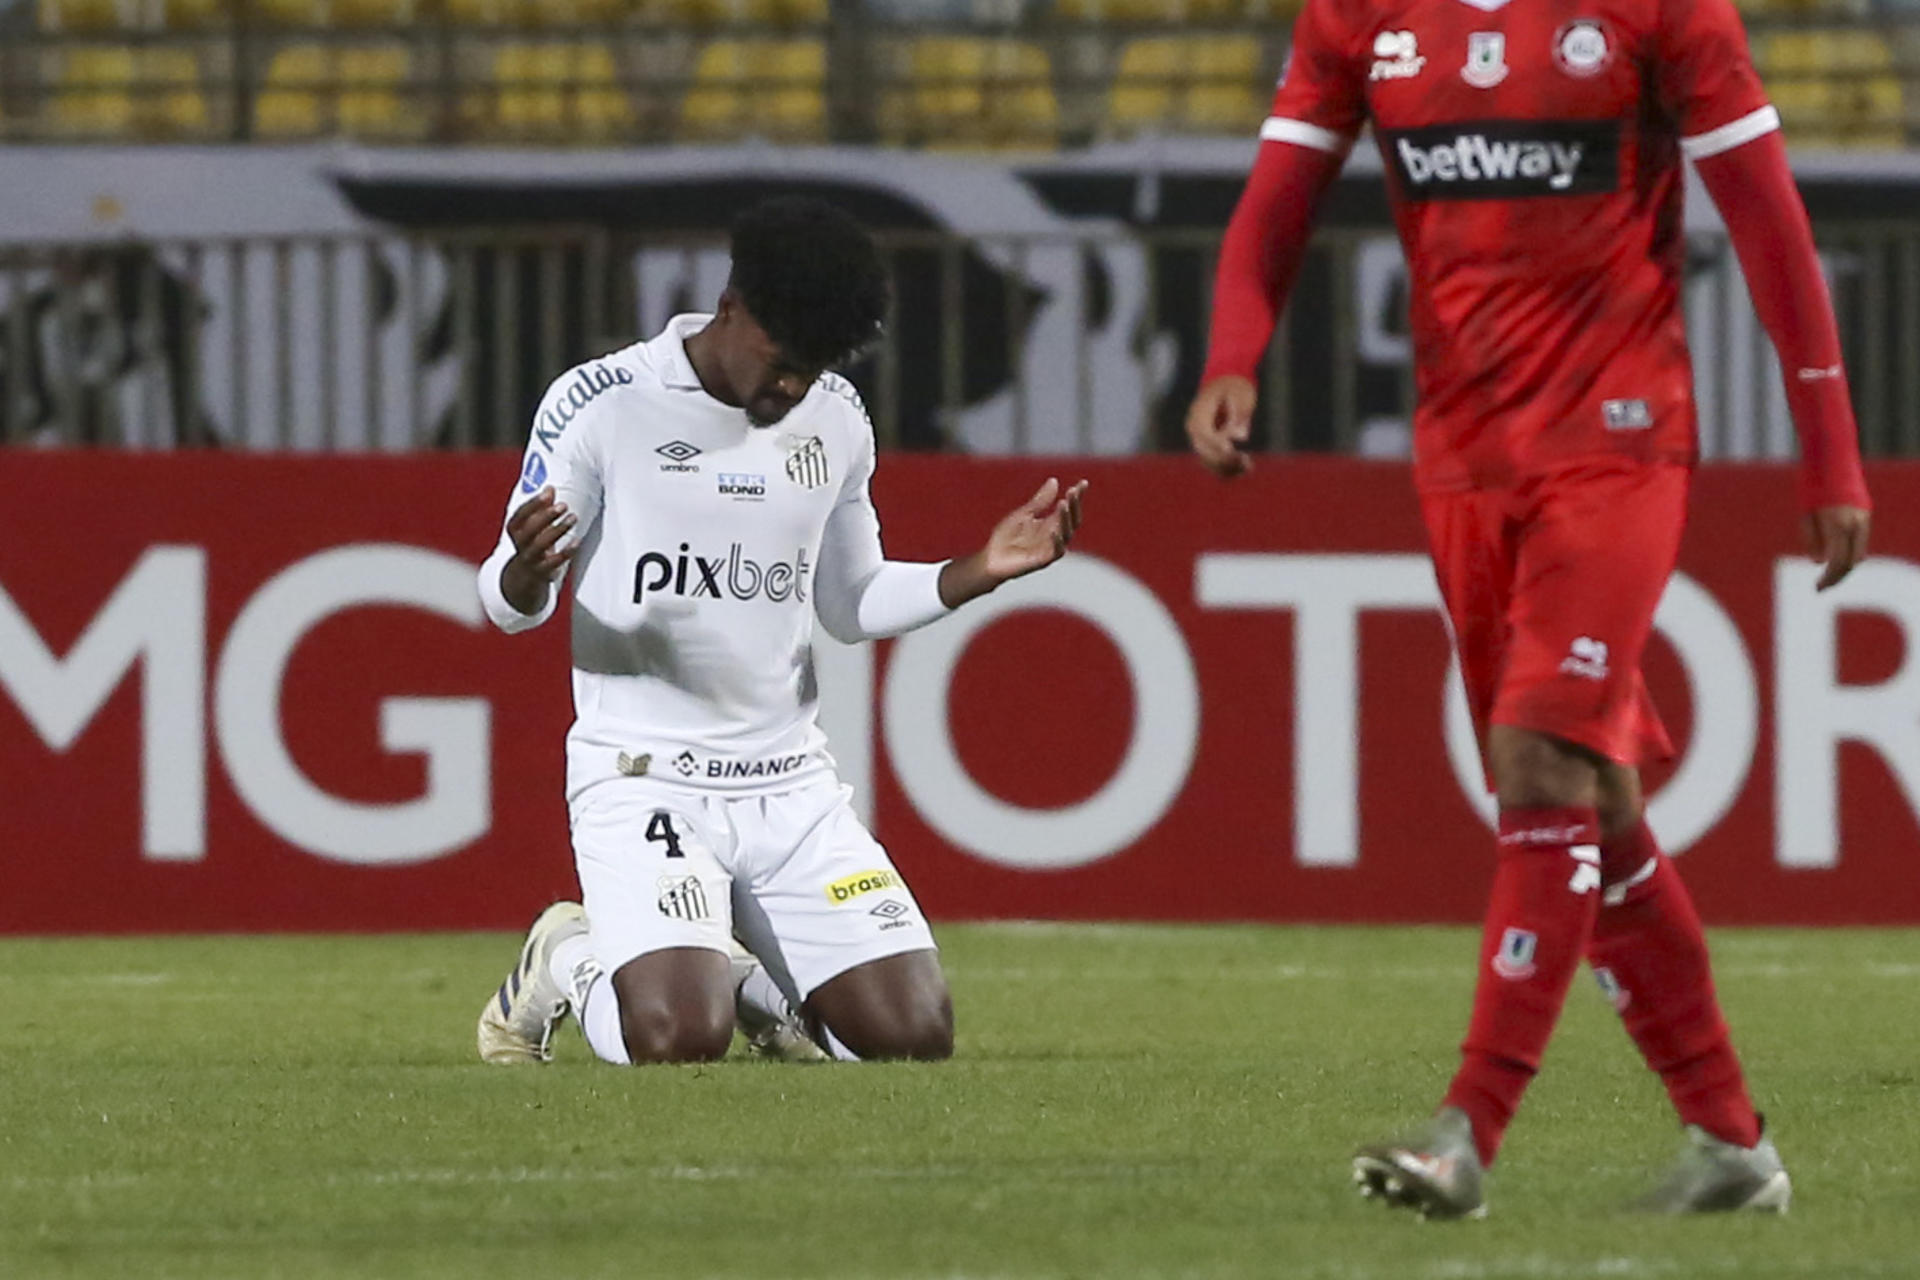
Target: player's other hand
<point>1030,537</point>
<point>536,527</point>
<point>1220,423</point>
<point>1035,534</point>
<point>1837,538</point>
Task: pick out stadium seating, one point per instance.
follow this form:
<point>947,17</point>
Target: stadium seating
<point>105,91</point>
<point>768,88</point>
<point>1204,84</point>
<point>553,89</point>
<point>1833,87</point>
<point>315,89</point>
<point>69,16</point>
<point>967,92</point>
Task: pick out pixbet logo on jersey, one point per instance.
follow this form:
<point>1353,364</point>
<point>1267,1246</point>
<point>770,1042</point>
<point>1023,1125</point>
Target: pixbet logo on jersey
<point>1506,159</point>
<point>731,575</point>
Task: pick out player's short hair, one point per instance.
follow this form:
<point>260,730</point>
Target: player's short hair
<point>811,276</point>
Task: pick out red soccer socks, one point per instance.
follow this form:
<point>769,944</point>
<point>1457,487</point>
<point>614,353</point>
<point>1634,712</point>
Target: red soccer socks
<point>1650,955</point>
<point>1546,893</point>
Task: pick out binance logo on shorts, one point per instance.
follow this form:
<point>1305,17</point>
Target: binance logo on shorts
<point>864,882</point>
<point>683,898</point>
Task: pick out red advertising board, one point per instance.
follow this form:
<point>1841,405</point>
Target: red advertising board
<point>249,693</point>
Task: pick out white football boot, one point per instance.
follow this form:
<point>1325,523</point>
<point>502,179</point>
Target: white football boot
<point>1713,1176</point>
<point>1434,1171</point>
<point>516,1026</point>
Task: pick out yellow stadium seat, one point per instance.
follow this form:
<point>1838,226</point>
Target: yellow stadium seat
<point>95,91</point>
<point>372,13</point>
<point>290,13</point>
<point>1833,88</point>
<point>86,15</point>
<point>316,89</point>
<point>292,101</point>
<point>761,88</point>
<point>372,101</point>
<point>1209,84</point>
<point>721,13</point>
<point>557,89</point>
<point>965,91</point>
<point>119,91</point>
<point>171,99</point>
<point>197,15</point>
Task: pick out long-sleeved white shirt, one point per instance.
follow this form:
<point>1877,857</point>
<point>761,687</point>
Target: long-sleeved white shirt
<point>707,545</point>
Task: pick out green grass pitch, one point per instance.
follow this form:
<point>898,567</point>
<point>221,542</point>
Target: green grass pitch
<point>1127,1101</point>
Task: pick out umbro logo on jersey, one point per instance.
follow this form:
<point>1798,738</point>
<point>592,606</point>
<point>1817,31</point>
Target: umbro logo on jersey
<point>733,576</point>
<point>1507,159</point>
<point>1396,56</point>
<point>678,453</point>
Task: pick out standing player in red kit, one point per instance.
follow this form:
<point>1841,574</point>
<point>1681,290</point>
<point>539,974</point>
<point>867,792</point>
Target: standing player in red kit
<point>1533,160</point>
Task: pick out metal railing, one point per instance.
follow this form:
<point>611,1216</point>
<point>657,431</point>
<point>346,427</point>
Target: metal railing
<point>1062,343</point>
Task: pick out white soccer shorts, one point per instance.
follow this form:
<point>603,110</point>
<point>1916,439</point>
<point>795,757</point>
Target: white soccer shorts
<point>795,875</point>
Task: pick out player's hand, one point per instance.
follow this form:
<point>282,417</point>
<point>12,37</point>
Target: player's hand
<point>536,527</point>
<point>1034,535</point>
<point>1837,538</point>
<point>1031,537</point>
<point>1220,423</point>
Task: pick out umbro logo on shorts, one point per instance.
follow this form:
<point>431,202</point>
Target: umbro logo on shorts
<point>894,912</point>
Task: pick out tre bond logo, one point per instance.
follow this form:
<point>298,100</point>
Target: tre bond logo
<point>1506,159</point>
<point>733,575</point>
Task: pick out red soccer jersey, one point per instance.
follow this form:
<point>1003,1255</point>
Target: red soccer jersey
<point>1533,151</point>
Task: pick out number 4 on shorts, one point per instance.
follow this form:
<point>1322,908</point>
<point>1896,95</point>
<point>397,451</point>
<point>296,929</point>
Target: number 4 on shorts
<point>660,830</point>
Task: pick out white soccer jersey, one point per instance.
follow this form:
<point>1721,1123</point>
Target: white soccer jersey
<point>707,545</point>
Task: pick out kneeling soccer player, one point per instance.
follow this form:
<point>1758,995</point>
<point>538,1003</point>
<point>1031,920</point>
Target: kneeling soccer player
<point>710,487</point>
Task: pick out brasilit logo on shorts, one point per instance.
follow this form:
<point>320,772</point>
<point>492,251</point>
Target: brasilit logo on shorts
<point>853,886</point>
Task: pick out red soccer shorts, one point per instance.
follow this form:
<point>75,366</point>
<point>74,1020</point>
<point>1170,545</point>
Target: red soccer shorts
<point>1550,588</point>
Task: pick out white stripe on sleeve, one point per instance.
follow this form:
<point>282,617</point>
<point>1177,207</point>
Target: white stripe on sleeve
<point>1728,136</point>
<point>1282,129</point>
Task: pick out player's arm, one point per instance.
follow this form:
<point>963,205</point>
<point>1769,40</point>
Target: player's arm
<point>1767,222</point>
<point>1317,110</point>
<point>554,504</point>
<point>1732,135</point>
<point>859,594</point>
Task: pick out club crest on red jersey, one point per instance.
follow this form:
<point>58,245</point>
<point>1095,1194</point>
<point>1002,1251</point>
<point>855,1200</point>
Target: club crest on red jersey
<point>1486,59</point>
<point>1582,47</point>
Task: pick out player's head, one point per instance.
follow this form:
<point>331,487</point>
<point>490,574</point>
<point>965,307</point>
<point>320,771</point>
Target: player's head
<point>807,291</point>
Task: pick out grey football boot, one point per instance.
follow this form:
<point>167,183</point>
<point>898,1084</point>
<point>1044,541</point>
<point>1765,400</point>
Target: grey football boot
<point>1435,1170</point>
<point>1713,1176</point>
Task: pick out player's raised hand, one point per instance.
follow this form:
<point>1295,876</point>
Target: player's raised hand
<point>536,527</point>
<point>1036,534</point>
<point>1030,537</point>
<point>1837,538</point>
<point>1220,423</point>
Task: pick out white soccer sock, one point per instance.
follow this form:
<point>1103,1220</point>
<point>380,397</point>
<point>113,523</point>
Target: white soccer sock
<point>598,1009</point>
<point>590,991</point>
<point>759,990</point>
<point>839,1052</point>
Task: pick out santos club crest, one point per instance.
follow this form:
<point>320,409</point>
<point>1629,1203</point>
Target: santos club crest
<point>807,464</point>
